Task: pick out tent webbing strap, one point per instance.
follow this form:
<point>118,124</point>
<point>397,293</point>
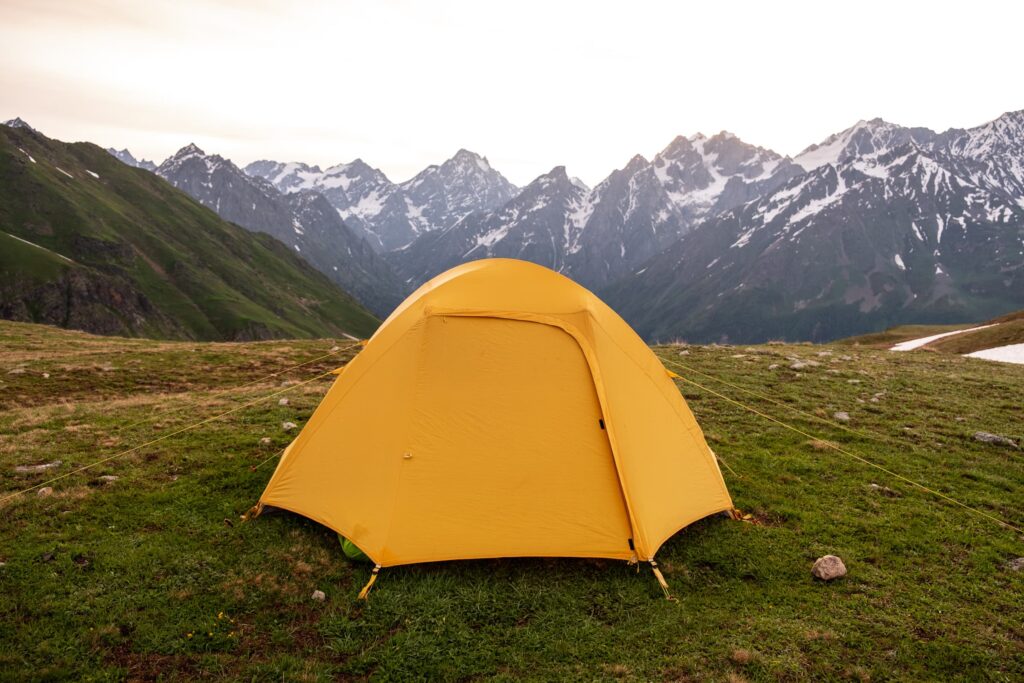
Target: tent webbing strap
<point>167,436</point>
<point>848,453</point>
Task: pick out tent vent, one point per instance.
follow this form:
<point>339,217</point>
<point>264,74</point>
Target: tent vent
<point>601,422</point>
<point>631,547</point>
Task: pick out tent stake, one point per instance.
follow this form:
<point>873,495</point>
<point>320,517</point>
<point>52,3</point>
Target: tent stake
<point>661,581</point>
<point>364,594</point>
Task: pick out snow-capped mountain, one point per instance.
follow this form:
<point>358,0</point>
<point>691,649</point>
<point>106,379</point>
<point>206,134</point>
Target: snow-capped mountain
<point>992,154</point>
<point>863,139</point>
<point>906,227</point>
<point>390,215</point>
<point>126,157</point>
<point>440,196</point>
<point>304,220</point>
<point>540,224</point>
<point>599,234</point>
<point>363,197</point>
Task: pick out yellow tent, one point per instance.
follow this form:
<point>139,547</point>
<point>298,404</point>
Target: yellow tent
<point>501,411</point>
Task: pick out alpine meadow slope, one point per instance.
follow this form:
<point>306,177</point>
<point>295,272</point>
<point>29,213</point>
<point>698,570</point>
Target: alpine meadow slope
<point>140,568</point>
<point>93,244</point>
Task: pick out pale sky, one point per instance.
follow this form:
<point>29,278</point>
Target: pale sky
<point>530,85</point>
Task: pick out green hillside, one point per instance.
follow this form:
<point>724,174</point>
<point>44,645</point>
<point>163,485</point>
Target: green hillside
<point>153,576</point>
<point>89,243</point>
<point>1002,331</point>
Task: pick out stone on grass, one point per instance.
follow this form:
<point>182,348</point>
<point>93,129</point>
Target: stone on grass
<point>288,426</point>
<point>283,402</point>
<point>265,441</point>
<point>319,596</point>
<point>884,490</point>
<point>335,348</point>
<point>988,437</point>
<point>46,375</point>
<point>842,416</point>
<point>45,492</point>
<point>108,478</point>
<point>828,568</point>
<point>16,371</point>
<point>1016,564</point>
<point>773,366</point>
<point>798,366</point>
<point>32,469</point>
<point>684,352</point>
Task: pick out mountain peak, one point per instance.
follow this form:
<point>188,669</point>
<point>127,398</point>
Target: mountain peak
<point>635,164</point>
<point>465,157</point>
<point>191,149</point>
<point>18,122</point>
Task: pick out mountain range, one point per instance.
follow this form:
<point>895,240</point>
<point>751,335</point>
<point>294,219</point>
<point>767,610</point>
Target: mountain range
<point>89,243</point>
<point>711,239</point>
<point>888,225</point>
<point>302,219</point>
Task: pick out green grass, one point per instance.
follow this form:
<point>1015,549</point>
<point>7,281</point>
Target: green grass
<point>126,580</point>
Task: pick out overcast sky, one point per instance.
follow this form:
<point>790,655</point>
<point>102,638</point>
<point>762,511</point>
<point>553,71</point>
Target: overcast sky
<point>530,85</point>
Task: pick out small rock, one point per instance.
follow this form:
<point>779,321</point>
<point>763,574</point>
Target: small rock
<point>107,478</point>
<point>265,441</point>
<point>738,355</point>
<point>46,375</point>
<point>853,381</point>
<point>824,353</point>
<point>960,419</point>
<point>828,568</point>
<point>31,469</point>
<point>288,426</point>
<point>1016,564</point>
<point>283,402</point>
<point>842,416</point>
<point>798,366</point>
<point>988,437</point>
<point>773,366</point>
<point>833,371</point>
<point>884,490</point>
<point>684,352</point>
<point>874,399</point>
<point>16,371</point>
<point>45,492</point>
<point>319,596</point>
<point>335,348</point>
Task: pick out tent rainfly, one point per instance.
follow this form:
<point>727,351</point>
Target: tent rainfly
<point>502,410</point>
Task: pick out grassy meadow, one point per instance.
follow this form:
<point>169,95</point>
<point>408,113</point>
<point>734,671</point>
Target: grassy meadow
<point>152,575</point>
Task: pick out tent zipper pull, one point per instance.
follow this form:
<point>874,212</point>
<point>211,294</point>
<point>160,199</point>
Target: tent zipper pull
<point>369,584</point>
<point>661,581</point>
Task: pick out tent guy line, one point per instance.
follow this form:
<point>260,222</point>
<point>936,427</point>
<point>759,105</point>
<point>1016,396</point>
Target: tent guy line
<point>831,423</point>
<point>851,454</point>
